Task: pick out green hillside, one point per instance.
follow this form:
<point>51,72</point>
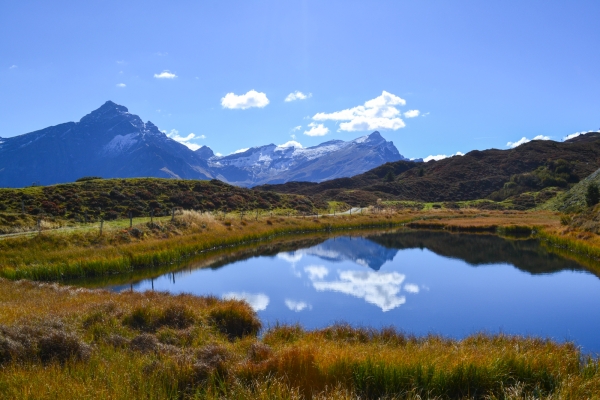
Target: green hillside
<point>116,198</point>
<point>574,199</point>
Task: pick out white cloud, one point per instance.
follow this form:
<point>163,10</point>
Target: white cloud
<point>218,154</point>
<point>378,113</point>
<point>297,96</point>
<point>258,301</point>
<point>316,271</point>
<point>121,85</point>
<point>316,130</point>
<point>291,143</point>
<point>165,75</point>
<point>296,306</point>
<point>380,289</point>
<point>174,134</point>
<point>441,156</point>
<point>524,140</point>
<point>411,288</point>
<point>241,150</point>
<point>371,124</point>
<point>12,66</point>
<point>412,113</point>
<point>244,101</point>
<point>574,135</point>
<point>297,128</point>
<point>121,62</point>
<point>425,114</point>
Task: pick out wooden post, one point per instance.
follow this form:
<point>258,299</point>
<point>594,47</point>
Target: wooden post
<point>85,218</point>
<point>130,219</point>
<point>101,225</point>
<point>256,219</point>
<point>173,214</point>
<point>39,225</point>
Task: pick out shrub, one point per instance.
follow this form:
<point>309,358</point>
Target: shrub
<point>46,341</point>
<point>144,343</point>
<point>88,178</point>
<point>592,195</point>
<point>211,359</point>
<point>177,317</point>
<point>60,346</point>
<point>235,320</point>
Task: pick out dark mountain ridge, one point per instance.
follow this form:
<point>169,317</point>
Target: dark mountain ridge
<point>494,174</point>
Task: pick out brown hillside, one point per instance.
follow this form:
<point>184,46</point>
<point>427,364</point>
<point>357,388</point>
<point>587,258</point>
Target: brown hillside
<point>495,174</point>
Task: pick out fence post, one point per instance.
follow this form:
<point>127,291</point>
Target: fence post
<point>130,219</point>
<point>39,225</point>
<point>256,219</point>
<point>173,214</point>
<point>101,225</point>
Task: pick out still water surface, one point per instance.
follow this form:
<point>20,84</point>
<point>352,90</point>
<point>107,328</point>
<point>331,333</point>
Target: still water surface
<point>420,282</point>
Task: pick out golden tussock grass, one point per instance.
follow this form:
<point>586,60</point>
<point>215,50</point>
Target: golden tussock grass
<point>71,343</point>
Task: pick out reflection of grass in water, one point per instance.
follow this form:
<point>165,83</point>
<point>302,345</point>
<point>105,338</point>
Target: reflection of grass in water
<point>209,259</point>
<point>73,255</point>
<point>155,345</point>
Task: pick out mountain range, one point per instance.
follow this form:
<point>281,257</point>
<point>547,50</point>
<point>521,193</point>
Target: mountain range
<point>110,142</point>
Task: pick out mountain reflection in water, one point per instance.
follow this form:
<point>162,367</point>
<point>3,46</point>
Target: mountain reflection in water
<point>418,281</point>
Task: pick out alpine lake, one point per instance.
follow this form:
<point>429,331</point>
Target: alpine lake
<point>417,281</point>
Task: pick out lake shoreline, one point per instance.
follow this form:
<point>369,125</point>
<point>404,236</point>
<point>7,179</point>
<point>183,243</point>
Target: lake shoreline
<point>160,345</point>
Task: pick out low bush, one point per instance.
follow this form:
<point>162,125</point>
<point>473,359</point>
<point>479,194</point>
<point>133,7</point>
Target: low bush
<point>235,320</point>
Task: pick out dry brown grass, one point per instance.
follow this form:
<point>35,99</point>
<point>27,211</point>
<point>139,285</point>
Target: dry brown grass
<point>67,342</point>
<point>154,345</point>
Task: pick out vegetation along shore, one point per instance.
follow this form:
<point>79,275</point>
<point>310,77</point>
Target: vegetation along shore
<point>60,339</point>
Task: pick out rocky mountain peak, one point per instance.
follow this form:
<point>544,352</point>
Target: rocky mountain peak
<point>106,111</point>
<point>205,152</point>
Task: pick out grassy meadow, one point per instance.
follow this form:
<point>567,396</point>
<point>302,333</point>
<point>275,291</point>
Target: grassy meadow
<point>60,341</point>
<point>64,342</point>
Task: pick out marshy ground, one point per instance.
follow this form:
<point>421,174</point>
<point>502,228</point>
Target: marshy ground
<point>60,341</point>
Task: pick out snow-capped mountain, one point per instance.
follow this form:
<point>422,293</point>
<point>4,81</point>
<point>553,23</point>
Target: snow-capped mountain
<point>278,164</point>
<point>109,142</point>
<point>112,143</point>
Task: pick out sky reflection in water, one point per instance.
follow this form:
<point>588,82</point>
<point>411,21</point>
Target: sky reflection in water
<point>454,285</point>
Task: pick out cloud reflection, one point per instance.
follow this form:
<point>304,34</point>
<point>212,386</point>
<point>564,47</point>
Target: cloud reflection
<point>380,289</point>
<point>291,257</point>
<point>316,272</point>
<point>258,301</point>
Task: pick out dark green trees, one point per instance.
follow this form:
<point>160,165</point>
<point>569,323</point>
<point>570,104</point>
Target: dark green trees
<point>593,194</point>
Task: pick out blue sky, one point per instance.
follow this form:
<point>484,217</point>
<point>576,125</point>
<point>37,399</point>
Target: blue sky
<point>480,73</point>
